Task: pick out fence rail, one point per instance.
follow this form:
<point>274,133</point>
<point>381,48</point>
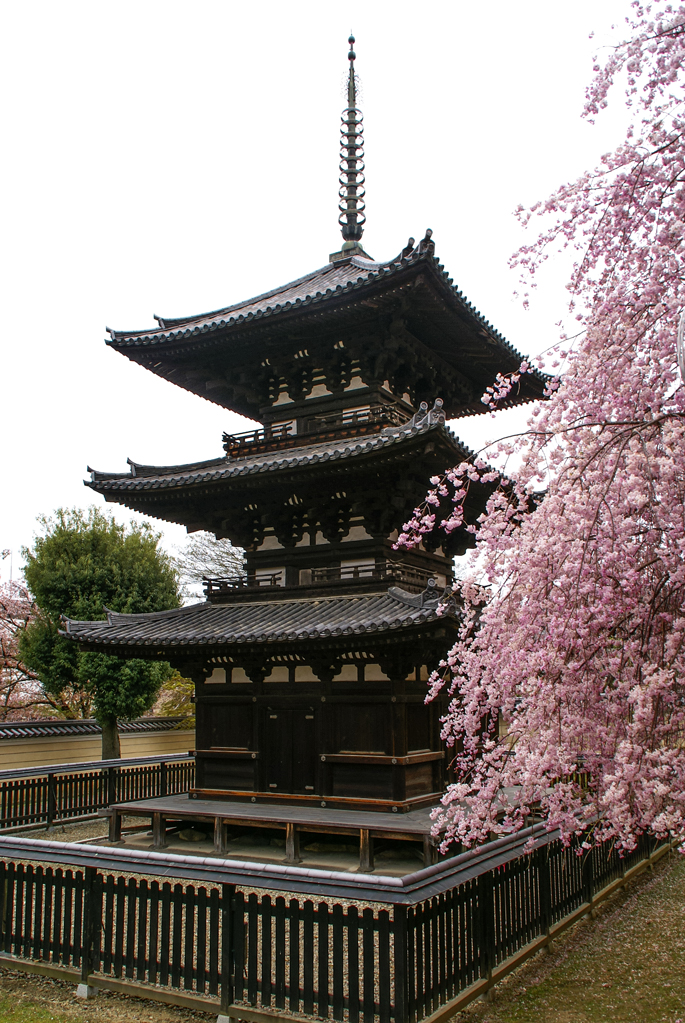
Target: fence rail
<point>239,949</point>
<point>45,795</point>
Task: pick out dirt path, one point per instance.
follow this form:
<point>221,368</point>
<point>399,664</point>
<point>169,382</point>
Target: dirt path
<point>628,966</point>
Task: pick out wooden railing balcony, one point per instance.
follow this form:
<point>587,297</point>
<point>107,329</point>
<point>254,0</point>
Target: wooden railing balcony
<point>384,415</point>
<point>352,422</point>
<point>398,572</point>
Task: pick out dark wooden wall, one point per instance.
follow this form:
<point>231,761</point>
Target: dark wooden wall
<point>363,740</point>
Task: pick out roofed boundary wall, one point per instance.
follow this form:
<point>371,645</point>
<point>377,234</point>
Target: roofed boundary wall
<point>34,744</point>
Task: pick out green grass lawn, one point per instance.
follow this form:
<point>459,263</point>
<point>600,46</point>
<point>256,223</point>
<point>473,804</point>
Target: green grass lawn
<point>25,998</point>
<point>627,966</point>
<point>27,1012</point>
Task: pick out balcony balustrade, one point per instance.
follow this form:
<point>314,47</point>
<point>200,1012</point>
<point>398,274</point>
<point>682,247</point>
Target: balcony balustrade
<point>398,572</point>
<point>352,422</point>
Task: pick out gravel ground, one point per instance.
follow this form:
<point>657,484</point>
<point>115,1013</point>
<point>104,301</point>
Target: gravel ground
<point>627,966</point>
<point>86,832</point>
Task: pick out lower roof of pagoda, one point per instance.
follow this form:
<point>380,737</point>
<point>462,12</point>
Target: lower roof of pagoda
<point>266,622</point>
<point>279,463</point>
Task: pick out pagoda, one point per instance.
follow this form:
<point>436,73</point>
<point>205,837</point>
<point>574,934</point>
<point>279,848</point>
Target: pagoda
<point>311,670</point>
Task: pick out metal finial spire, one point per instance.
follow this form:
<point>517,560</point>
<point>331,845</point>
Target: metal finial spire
<point>352,217</point>
<point>351,85</point>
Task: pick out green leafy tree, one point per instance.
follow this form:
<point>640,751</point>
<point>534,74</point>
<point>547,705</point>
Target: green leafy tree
<point>80,565</point>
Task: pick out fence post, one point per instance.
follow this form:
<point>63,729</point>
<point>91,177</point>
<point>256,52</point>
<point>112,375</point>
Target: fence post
<point>589,879</point>
<point>486,925</point>
<point>4,942</point>
<point>163,779</point>
<point>399,919</point>
<point>227,952</point>
<point>545,881</point>
<point>89,928</point>
<point>111,785</point>
<point>52,799</point>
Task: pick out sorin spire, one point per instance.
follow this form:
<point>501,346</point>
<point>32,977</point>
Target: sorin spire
<point>352,217</point>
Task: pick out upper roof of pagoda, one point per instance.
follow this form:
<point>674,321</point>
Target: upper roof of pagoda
<point>407,308</point>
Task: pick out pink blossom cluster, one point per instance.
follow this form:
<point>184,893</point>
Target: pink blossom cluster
<point>448,494</point>
<point>502,387</point>
<point>567,689</point>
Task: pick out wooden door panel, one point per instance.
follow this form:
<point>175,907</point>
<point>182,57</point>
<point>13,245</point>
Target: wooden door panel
<point>304,753</point>
<point>277,751</point>
<point>362,728</point>
<point>418,727</point>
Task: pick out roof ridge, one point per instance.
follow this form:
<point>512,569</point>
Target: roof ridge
<point>172,612</point>
<point>178,320</point>
<point>170,327</point>
<point>140,468</point>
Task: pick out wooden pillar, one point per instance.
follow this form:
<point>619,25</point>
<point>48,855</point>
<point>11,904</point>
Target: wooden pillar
<point>220,842</point>
<point>115,826</point>
<point>366,864</point>
<point>430,853</point>
<point>158,831</point>
<point>292,843</point>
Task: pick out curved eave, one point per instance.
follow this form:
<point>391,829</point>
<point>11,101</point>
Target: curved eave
<point>174,477</point>
<point>222,321</point>
<point>257,624</point>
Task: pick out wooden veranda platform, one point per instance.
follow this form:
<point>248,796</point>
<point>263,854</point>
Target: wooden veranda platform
<point>414,826</point>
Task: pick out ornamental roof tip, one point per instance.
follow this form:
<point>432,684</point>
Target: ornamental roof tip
<point>444,601</point>
<point>336,450</point>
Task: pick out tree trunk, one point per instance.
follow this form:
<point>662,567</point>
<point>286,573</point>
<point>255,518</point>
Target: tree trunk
<point>111,749</point>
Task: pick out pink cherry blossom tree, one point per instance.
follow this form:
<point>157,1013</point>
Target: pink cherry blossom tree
<point>568,680</point>
<point>21,696</point>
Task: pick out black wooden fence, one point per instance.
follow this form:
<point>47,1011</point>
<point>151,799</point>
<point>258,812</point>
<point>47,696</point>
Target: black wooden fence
<point>46,795</point>
<point>331,959</point>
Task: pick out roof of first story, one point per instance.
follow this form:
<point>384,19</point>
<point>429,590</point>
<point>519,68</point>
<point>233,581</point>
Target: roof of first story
<point>392,619</point>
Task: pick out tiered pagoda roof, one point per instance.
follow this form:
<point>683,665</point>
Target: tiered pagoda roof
<point>280,482</point>
<point>280,459</point>
<point>231,356</point>
<point>255,623</point>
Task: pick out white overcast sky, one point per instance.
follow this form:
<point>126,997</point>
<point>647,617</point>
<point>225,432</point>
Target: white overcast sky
<point>171,158</point>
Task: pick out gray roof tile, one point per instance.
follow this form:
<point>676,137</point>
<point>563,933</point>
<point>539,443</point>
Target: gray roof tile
<point>281,621</point>
<point>81,726</point>
<point>321,284</point>
<point>148,477</point>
